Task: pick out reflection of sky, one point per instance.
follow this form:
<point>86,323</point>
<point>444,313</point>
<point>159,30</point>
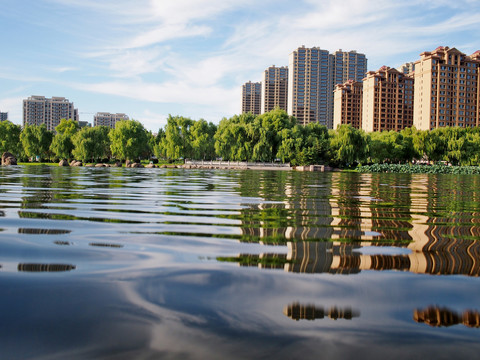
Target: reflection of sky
<point>214,312</point>
<point>153,288</point>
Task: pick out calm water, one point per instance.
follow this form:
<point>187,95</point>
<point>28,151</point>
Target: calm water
<point>204,264</point>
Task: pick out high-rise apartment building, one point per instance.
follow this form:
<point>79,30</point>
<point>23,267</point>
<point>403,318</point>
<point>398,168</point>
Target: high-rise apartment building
<point>251,97</point>
<point>407,68</point>
<point>387,100</point>
<point>274,89</point>
<point>348,65</point>
<point>313,74</point>
<point>108,119</point>
<point>447,89</point>
<point>348,104</point>
<point>3,116</point>
<point>310,88</point>
<point>39,110</point>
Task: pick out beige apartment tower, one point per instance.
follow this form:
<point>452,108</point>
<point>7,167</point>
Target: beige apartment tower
<point>387,100</point>
<point>108,119</point>
<point>251,97</point>
<point>447,89</point>
<point>348,104</point>
<point>38,110</point>
<point>274,89</point>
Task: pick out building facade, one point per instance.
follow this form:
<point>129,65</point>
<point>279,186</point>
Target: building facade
<point>387,100</point>
<point>3,116</point>
<point>407,68</point>
<point>108,119</point>
<point>348,104</point>
<point>251,98</point>
<point>348,65</point>
<point>310,89</point>
<point>274,89</point>
<point>446,89</point>
<point>313,74</point>
<point>38,110</point>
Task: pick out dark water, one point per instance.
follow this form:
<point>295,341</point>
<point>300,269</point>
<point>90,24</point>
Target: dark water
<point>192,264</point>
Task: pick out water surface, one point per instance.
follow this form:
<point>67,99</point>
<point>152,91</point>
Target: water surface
<point>192,264</point>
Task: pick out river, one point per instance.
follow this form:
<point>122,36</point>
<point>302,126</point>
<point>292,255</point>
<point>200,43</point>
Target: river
<point>115,263</point>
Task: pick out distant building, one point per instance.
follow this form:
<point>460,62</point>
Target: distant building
<point>3,116</point>
<point>38,110</point>
<point>407,68</point>
<point>251,98</point>
<point>348,65</point>
<point>83,124</point>
<point>310,85</point>
<point>387,100</point>
<point>108,119</point>
<point>274,89</point>
<point>348,104</point>
<point>447,89</point>
<point>313,74</point>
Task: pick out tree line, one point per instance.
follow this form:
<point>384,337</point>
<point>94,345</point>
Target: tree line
<point>273,136</point>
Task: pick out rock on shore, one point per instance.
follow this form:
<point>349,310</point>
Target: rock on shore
<point>8,159</point>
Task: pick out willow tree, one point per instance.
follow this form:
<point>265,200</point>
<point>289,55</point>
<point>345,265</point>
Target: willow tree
<point>128,140</point>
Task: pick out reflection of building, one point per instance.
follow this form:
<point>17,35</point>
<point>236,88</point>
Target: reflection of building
<point>274,89</point>
<point>341,258</point>
<point>251,97</point>
<point>38,110</point>
<point>437,317</point>
<point>297,312</point>
<point>40,231</point>
<point>45,267</point>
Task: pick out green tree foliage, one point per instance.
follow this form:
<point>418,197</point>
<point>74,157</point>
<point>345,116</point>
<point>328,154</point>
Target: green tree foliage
<point>36,140</point>
<point>129,140</point>
<point>265,134</point>
<point>348,146</point>
<point>67,127</point>
<point>203,145</point>
<point>10,138</point>
<point>232,139</point>
<point>62,143</point>
<point>91,143</point>
<point>177,142</point>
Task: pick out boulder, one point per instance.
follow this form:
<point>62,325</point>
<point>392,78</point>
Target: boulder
<point>100,165</point>
<point>128,163</point>
<point>63,163</point>
<point>72,163</point>
<point>151,166</point>
<point>118,164</point>
<point>8,159</point>
<point>136,165</point>
<point>77,163</point>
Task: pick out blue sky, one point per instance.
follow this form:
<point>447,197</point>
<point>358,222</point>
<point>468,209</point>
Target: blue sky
<point>151,58</point>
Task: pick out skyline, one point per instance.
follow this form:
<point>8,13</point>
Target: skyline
<point>150,58</point>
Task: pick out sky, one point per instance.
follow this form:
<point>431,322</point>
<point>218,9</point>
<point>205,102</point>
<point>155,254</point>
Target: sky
<point>152,58</point>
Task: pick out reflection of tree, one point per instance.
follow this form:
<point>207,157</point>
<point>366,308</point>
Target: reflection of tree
<point>45,267</point>
<point>438,317</point>
<point>297,312</point>
<point>43,231</point>
<point>106,245</point>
